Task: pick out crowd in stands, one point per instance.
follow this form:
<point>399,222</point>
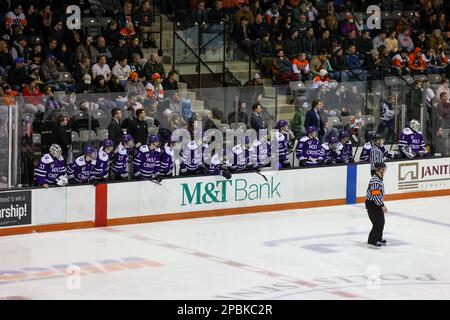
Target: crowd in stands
<point>59,76</point>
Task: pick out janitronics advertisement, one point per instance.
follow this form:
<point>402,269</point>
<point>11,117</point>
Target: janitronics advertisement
<point>15,208</point>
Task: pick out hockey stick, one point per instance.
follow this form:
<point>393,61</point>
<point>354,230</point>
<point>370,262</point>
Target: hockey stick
<point>257,172</point>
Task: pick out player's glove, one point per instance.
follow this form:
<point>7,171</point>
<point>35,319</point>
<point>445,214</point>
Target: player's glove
<point>226,174</point>
<point>303,162</point>
<point>94,182</point>
<point>158,178</point>
<point>408,152</point>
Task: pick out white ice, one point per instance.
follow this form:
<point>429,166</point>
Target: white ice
<point>301,254</point>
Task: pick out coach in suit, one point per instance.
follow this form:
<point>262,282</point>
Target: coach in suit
<point>256,120</point>
<point>313,118</point>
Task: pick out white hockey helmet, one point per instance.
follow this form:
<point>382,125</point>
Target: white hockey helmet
<point>414,125</point>
<point>55,151</point>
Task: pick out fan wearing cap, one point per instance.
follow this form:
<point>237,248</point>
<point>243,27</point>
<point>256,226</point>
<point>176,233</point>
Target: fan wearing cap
<point>122,157</point>
<point>308,148</point>
<point>284,136</point>
<point>349,25</point>
<point>411,142</point>
<point>82,168</point>
<point>345,148</point>
<point>102,164</point>
<point>329,152</point>
<point>155,90</point>
<point>146,163</point>
<point>50,168</point>
<point>322,80</point>
<point>134,85</point>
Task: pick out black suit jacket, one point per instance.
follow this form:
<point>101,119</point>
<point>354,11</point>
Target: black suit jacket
<point>257,122</point>
<point>311,120</point>
<point>115,132</point>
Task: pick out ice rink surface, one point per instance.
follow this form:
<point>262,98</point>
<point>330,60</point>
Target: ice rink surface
<point>301,254</point>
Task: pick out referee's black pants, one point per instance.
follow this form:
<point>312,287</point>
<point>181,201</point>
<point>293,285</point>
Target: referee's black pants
<point>376,215</point>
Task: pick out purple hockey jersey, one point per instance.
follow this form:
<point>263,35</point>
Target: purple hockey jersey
<point>365,153</point>
<point>327,154</point>
<point>48,170</point>
<point>283,146</point>
<point>167,160</point>
<point>308,149</point>
<point>101,169</point>
<point>412,139</point>
<point>80,171</point>
<point>345,152</point>
<point>191,158</point>
<point>146,163</point>
<point>122,157</point>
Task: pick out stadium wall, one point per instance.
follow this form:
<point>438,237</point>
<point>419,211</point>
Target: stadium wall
<point>74,207</point>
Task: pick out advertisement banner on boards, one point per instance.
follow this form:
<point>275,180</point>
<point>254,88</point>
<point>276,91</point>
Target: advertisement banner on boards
<point>15,208</point>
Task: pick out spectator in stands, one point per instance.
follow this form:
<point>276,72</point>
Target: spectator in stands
<point>145,18</point>
<point>436,40</point>
<point>33,97</point>
<point>128,31</point>
<point>415,62</point>
<point>112,33</point>
<point>292,45</point>
<point>5,58</point>
<point>253,90</point>
<point>259,28</point>
<point>443,109</point>
<point>379,40</point>
<point>320,62</point>
<point>153,65</point>
<point>400,63</point>
<point>100,85</point>
<point>136,66</point>
<point>155,90</point>
<point>349,25</point>
<point>7,98</point>
<point>321,80</point>
<point>354,65</point>
<point>138,128</point>
<point>391,43</point>
<point>101,49</point>
<point>50,102</point>
<point>256,120</point>
<point>301,66</point>
<point>242,35</point>
<point>121,50</point>
<point>217,14</point>
<point>298,121</point>
<point>405,41</point>
<point>82,69</point>
<point>122,71</point>
<point>84,49</point>
<point>62,135</point>
<point>324,42</point>
<point>49,73</point>
<point>264,53</point>
<point>309,43</point>
<point>283,69</point>
<point>134,84</point>
<point>244,11</point>
<point>115,132</point>
<point>350,40</point>
<point>440,145</point>
<point>101,68</point>
<point>271,13</point>
<point>17,74</point>
<point>444,87</point>
<point>134,48</point>
<point>51,48</point>
<point>313,118</point>
<point>364,44</point>
<point>170,84</point>
<point>19,49</point>
<point>339,64</point>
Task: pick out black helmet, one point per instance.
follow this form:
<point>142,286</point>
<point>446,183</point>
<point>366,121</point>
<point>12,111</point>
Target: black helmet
<point>380,165</point>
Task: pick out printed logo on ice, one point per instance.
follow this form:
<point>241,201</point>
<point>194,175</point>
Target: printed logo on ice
<point>15,208</point>
<point>222,191</point>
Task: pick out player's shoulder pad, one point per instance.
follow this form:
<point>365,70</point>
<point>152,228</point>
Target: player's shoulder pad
<point>340,146</point>
<point>367,146</point>
<point>168,150</point>
<point>279,136</point>
<point>144,148</point>
<point>121,149</point>
<point>304,139</point>
<point>47,159</point>
<point>102,155</point>
<point>237,149</point>
<point>325,146</point>
<point>215,160</point>
<point>80,161</point>
<point>157,150</point>
<point>407,131</point>
<point>192,145</point>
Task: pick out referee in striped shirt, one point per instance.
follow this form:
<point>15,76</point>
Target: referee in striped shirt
<point>375,205</point>
<point>376,154</point>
